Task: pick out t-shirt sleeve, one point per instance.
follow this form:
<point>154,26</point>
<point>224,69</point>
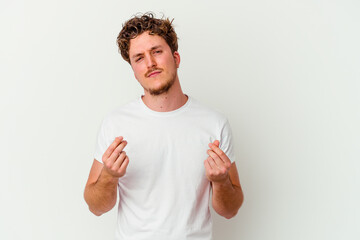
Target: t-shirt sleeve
<point>102,142</point>
<point>226,141</point>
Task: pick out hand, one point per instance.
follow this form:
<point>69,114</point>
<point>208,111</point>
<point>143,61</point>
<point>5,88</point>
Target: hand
<point>217,164</point>
<point>115,159</point>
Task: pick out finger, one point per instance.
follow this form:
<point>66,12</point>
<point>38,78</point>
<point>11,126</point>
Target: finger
<point>208,168</point>
<point>216,150</point>
<point>112,147</point>
<point>117,151</point>
<point>212,163</point>
<point>119,161</point>
<point>220,153</point>
<point>217,143</point>
<point>220,164</point>
<point>124,165</point>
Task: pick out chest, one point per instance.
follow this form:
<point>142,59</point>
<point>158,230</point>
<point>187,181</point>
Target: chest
<point>170,152</point>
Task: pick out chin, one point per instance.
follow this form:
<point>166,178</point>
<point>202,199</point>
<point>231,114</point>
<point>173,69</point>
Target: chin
<point>160,90</point>
<point>156,92</point>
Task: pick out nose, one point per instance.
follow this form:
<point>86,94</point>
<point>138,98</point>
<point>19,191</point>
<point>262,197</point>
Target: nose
<point>150,61</point>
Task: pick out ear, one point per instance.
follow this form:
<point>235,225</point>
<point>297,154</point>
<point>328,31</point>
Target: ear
<point>177,59</point>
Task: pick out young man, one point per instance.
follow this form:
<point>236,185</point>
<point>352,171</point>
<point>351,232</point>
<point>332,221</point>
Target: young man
<point>177,150</point>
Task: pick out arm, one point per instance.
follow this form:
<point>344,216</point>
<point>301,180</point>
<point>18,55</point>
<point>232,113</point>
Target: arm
<point>227,196</point>
<point>227,193</point>
<point>101,188</point>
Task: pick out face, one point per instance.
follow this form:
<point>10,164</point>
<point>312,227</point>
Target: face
<point>153,63</point>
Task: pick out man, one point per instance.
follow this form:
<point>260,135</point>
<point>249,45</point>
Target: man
<point>177,150</point>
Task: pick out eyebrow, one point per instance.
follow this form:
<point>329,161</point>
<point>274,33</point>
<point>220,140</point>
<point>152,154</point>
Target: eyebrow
<point>151,49</point>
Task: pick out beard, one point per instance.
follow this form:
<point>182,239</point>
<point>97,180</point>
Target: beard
<point>164,87</point>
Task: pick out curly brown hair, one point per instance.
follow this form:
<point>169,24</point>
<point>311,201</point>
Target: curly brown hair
<point>142,23</point>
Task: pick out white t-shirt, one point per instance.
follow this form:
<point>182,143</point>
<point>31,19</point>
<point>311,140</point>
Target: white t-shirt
<point>165,194</point>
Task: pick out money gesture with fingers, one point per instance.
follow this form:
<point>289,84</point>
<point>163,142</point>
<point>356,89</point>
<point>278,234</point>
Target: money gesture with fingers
<point>217,164</point>
<point>115,159</point>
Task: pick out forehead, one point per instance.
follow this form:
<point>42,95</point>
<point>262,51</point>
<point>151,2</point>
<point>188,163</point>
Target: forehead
<point>144,42</point>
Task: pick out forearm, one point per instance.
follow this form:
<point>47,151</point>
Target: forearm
<point>227,198</point>
<point>101,195</point>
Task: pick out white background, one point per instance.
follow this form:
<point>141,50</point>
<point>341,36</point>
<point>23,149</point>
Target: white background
<point>286,73</point>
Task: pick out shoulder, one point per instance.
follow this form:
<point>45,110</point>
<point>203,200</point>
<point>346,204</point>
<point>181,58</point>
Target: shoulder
<point>205,110</point>
<point>122,111</point>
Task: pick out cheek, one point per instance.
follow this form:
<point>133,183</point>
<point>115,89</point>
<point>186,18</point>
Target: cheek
<point>166,64</point>
<point>138,72</point>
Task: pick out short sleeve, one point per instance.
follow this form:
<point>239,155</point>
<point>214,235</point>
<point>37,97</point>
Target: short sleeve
<point>226,141</point>
<point>102,142</point>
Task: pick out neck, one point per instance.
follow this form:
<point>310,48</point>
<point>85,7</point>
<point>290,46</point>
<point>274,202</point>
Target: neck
<point>173,99</point>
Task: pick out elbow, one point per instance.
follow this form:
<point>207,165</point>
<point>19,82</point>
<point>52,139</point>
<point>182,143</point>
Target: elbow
<point>232,212</point>
<point>96,213</point>
<point>98,210</point>
<point>228,214</point>
<point>231,215</point>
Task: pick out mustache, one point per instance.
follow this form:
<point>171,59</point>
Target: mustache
<point>152,70</point>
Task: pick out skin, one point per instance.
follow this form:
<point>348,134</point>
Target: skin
<point>101,188</point>
<point>227,195</point>
<point>155,68</point>
<point>150,52</point>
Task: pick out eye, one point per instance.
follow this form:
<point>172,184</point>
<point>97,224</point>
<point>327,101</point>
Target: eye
<point>138,59</point>
<point>157,51</point>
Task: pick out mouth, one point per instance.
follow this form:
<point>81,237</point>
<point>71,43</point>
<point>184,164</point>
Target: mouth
<point>154,73</point>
